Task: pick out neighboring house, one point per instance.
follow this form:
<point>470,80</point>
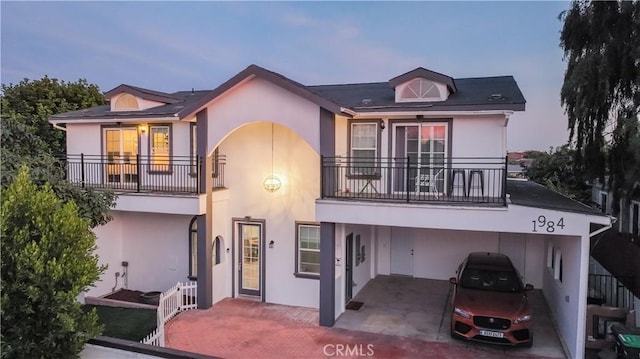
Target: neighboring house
<point>299,195</point>
<point>617,251</point>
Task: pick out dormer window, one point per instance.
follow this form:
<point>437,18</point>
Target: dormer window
<point>421,89</point>
<point>422,85</point>
<point>126,102</point>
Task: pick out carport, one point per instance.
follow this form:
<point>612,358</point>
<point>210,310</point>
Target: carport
<point>545,234</point>
<point>421,309</point>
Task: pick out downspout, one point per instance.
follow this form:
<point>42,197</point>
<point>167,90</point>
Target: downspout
<point>56,126</point>
<point>612,221</point>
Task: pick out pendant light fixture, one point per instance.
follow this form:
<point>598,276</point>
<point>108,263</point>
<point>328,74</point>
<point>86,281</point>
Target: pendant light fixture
<point>272,182</point>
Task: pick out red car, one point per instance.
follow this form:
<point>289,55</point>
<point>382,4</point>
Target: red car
<point>489,301</point>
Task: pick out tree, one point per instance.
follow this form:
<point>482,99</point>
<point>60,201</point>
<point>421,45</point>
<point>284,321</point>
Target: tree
<point>47,261</point>
<point>601,89</point>
<point>28,139</point>
<point>33,102</point>
<point>561,173</point>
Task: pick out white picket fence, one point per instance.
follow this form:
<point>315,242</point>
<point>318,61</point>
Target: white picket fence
<point>182,296</point>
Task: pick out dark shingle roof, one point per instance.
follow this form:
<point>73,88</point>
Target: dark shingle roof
<point>182,99</point>
<point>532,194</point>
<point>471,94</point>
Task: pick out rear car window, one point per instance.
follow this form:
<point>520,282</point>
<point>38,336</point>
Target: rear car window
<point>493,280</point>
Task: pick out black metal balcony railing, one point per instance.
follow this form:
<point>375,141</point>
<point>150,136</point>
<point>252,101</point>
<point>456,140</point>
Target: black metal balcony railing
<point>612,291</point>
<point>138,173</point>
<point>450,180</point>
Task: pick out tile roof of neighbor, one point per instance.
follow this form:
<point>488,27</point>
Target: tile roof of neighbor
<point>532,194</point>
<point>472,94</point>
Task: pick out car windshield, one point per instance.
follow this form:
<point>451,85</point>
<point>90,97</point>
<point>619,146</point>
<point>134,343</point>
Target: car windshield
<point>492,280</point>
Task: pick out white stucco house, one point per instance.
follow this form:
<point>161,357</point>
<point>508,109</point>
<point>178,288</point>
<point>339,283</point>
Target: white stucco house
<point>294,194</point>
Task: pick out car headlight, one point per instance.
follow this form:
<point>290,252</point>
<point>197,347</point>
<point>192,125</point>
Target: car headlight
<point>522,319</point>
<point>462,313</point>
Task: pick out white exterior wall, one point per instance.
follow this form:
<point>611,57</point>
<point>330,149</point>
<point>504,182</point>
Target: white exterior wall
<point>566,299</point>
<point>109,251</point>
<point>84,138</point>
<point>478,136</point>
<point>221,275</point>
<point>258,100</point>
<point>248,151</point>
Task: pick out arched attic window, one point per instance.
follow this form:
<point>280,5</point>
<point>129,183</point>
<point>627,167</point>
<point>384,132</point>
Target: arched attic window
<point>421,90</point>
<point>126,102</point>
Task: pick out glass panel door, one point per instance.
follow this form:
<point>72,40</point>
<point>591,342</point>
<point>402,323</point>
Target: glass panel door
<point>425,147</point>
<point>250,267</point>
<point>121,148</point>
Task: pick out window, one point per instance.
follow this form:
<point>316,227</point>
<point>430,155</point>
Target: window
<point>159,147</point>
<point>126,102</point>
<point>307,250</point>
<point>603,202</point>
<point>420,89</point>
<point>364,146</point>
<point>193,248</point>
<point>550,256</point>
<point>557,270</point>
<point>215,251</point>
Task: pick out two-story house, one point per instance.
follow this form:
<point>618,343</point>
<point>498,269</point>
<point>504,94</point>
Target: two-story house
<point>293,194</point>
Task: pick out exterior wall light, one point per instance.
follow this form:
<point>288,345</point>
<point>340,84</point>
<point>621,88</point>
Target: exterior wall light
<point>143,129</point>
<point>271,243</point>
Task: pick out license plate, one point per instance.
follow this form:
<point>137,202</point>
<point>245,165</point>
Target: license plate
<point>488,333</point>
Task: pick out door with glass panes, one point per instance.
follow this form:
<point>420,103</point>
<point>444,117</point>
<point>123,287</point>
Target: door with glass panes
<point>422,147</point>
<point>121,149</point>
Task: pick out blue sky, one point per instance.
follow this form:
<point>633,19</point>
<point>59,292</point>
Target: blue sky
<point>171,46</point>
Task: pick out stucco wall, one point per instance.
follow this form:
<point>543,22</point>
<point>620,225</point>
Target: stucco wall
<point>249,162</point>
<point>564,297</point>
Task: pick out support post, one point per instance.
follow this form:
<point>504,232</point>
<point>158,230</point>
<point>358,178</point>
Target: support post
<point>205,221</point>
<point>327,274</point>
<point>81,168</point>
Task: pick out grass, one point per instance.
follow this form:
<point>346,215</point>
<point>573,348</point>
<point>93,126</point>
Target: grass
<point>125,323</point>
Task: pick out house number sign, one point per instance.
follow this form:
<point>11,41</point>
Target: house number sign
<point>543,225</point>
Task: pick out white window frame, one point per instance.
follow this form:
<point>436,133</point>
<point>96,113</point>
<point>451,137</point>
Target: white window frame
<point>299,250</point>
<point>376,150</point>
<point>159,164</point>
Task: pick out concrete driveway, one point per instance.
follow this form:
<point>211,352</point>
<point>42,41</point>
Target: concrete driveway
<point>242,328</point>
<point>421,309</point>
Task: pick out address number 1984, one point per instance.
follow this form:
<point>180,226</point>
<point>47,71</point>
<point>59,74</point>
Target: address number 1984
<point>542,224</point>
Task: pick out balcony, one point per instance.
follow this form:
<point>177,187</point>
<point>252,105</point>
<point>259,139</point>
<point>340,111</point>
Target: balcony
<point>471,181</point>
<point>141,174</point>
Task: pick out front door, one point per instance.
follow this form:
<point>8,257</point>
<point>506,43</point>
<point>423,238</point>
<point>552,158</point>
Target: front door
<point>348,267</point>
<point>250,259</point>
<point>121,150</point>
<point>402,255</point>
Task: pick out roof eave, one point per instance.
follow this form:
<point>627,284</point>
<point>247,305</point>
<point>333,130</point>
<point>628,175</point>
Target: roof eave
<point>257,71</point>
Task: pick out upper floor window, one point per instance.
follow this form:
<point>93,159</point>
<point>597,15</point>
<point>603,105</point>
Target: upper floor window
<point>159,147</point>
<point>364,148</point>
<point>126,102</point>
<point>421,90</point>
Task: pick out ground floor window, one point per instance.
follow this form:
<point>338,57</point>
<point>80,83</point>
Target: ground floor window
<point>307,249</point>
<point>193,248</point>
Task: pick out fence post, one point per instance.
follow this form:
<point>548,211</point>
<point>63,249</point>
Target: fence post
<point>138,176</point>
<point>81,168</point>
<point>504,180</point>
<point>407,177</point>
